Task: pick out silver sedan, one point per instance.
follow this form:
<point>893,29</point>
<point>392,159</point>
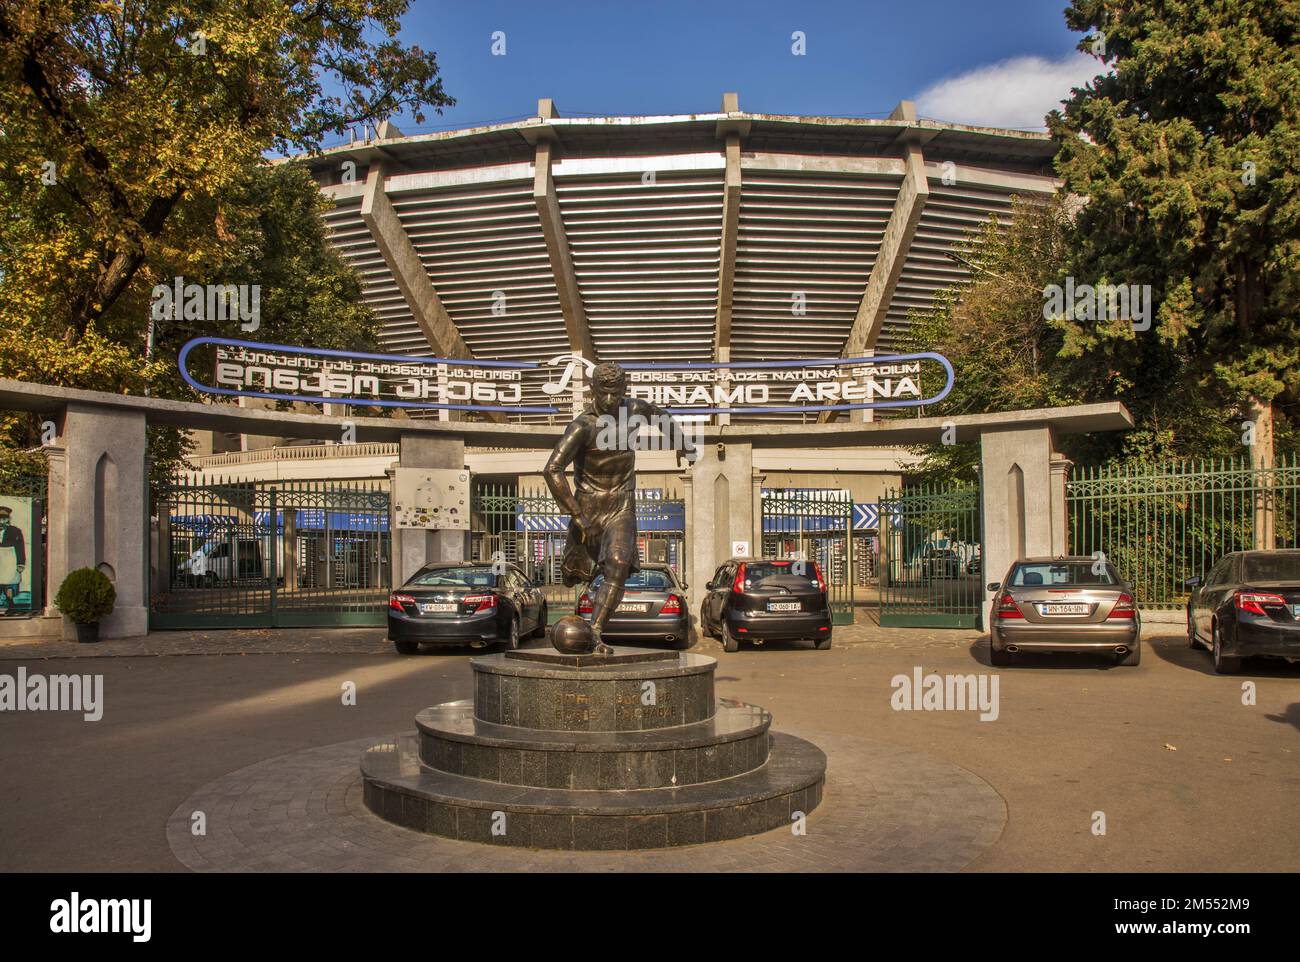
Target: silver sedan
<point>1069,604</point>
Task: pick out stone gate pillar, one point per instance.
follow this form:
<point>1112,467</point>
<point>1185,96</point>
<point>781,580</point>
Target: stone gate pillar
<point>412,547</point>
<point>719,510</point>
<point>1017,493</point>
<point>97,514</point>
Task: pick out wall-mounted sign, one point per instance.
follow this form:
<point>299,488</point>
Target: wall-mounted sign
<point>740,549</point>
<point>432,498</point>
<point>282,372</point>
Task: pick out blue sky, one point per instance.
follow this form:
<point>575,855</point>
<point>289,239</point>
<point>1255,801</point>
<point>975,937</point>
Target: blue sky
<point>1000,62</point>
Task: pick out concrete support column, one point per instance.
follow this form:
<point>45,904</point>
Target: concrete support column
<point>1016,492</point>
<point>1061,466</point>
<point>413,547</point>
<point>97,516</point>
<point>720,509</point>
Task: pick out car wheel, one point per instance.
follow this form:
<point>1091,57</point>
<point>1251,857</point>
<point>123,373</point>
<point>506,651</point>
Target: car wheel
<point>1223,664</point>
<point>1132,657</point>
<point>407,647</point>
<point>540,631</point>
<point>1191,633</point>
<point>1000,658</point>
<point>822,644</point>
<point>513,641</point>
<point>729,641</point>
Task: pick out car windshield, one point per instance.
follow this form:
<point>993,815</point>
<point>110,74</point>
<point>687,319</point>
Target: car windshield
<point>456,577</point>
<point>756,572</point>
<point>646,579</point>
<point>1283,566</point>
<point>1063,573</point>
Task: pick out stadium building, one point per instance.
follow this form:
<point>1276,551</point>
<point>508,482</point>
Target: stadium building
<point>685,239</point>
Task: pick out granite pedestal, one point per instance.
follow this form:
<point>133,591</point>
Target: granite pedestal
<point>628,751</point>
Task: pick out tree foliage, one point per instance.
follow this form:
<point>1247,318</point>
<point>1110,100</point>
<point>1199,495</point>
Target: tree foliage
<point>1187,147</point>
<point>133,150</point>
<point>137,111</point>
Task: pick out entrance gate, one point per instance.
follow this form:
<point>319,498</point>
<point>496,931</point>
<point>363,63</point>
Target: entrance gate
<point>930,560</point>
<point>237,554</point>
<point>815,524</point>
<point>529,529</point>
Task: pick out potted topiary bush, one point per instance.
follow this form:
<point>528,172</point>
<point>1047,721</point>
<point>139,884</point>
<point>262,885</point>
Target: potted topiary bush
<point>85,596</point>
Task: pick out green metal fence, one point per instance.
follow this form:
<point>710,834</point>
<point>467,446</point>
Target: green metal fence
<point>930,558</point>
<point>814,524</point>
<point>1171,522</point>
<point>22,544</point>
<point>282,554</point>
<point>528,528</point>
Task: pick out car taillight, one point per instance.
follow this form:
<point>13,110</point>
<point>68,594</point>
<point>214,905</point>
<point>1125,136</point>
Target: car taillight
<point>584,604</point>
<point>738,585</point>
<point>1124,608</point>
<point>1254,601</point>
<point>479,602</point>
<point>817,572</point>
<point>673,606</point>
<point>1007,607</point>
<point>396,601</point>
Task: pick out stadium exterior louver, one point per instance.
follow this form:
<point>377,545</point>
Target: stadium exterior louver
<point>673,238</point>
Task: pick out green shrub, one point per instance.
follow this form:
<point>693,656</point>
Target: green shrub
<point>85,596</point>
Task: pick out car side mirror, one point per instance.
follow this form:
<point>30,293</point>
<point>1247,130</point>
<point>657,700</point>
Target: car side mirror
<point>711,585</point>
<point>685,586</point>
<point>994,585</point>
<point>1192,583</point>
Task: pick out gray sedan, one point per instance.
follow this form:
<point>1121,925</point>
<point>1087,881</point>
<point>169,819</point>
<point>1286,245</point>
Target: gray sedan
<point>1075,604</point>
<point>653,608</point>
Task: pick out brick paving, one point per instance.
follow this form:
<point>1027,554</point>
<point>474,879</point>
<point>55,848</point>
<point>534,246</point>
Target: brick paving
<point>886,809</point>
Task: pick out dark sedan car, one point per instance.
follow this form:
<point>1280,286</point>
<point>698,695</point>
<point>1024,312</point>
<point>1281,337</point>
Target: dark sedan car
<point>653,608</point>
<point>1249,604</point>
<point>759,600</point>
<point>465,604</point>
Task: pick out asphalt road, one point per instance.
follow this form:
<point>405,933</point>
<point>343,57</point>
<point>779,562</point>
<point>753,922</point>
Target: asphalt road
<point>1189,777</point>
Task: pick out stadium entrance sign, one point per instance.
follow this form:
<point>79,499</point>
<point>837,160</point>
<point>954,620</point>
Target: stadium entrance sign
<point>287,373</point>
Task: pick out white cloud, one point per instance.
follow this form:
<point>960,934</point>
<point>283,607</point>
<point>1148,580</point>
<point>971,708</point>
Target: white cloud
<point>1015,93</point>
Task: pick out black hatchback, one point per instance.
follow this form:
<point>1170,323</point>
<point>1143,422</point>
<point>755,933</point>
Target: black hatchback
<point>465,604</point>
<point>760,600</point>
<point>1249,604</point>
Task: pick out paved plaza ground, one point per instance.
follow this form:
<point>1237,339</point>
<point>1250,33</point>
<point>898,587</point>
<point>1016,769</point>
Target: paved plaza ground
<point>1188,777</point>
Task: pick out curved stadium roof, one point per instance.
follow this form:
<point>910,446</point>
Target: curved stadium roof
<point>673,238</point>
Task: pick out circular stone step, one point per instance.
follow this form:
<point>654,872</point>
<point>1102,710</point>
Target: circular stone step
<point>732,741</point>
<point>399,789</point>
<point>543,693</point>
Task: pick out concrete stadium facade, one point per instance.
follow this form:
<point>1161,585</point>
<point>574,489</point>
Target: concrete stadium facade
<point>672,238</point>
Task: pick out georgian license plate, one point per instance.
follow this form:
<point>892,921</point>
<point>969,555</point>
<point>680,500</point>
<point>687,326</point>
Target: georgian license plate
<point>633,608</point>
<point>436,606</point>
<point>783,606</point>
<point>1059,609</point>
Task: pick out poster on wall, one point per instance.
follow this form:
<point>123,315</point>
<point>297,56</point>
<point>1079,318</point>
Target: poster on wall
<point>436,499</point>
<point>16,531</point>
